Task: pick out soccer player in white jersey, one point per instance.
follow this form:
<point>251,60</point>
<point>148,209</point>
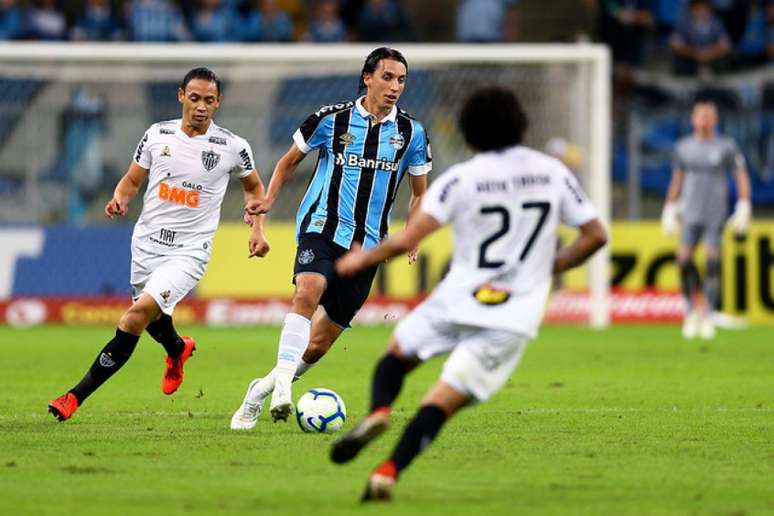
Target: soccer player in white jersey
<point>505,205</point>
<point>188,163</point>
<point>698,194</point>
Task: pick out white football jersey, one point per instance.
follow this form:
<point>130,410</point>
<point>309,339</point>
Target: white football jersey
<point>186,184</point>
<point>505,208</point>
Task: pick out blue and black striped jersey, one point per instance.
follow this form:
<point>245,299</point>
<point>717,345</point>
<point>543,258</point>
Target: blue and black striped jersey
<point>359,168</point>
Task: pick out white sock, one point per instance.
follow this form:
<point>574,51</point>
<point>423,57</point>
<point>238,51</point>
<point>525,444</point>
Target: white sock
<point>293,342</point>
<point>303,367</point>
<point>262,389</point>
<point>266,385</point>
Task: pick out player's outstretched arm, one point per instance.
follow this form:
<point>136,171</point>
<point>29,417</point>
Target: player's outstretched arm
<point>669,216</point>
<point>401,242</point>
<point>592,236</point>
<point>126,190</point>
<point>740,219</point>
<point>418,188</point>
<point>257,245</point>
<point>282,171</point>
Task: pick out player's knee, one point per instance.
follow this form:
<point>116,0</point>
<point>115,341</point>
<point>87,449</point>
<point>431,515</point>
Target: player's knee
<point>134,320</point>
<point>306,298</point>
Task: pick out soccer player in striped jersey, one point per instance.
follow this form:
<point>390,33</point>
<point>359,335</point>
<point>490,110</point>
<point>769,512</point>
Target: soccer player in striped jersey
<point>365,148</point>
<point>505,205</point>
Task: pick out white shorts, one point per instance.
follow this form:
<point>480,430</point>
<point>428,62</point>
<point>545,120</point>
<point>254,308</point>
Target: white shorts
<point>481,359</point>
<point>167,279</point>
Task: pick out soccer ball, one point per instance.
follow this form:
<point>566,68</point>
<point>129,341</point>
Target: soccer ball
<point>320,410</point>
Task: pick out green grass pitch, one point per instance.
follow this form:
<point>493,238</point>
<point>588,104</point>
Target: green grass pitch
<point>632,420</point>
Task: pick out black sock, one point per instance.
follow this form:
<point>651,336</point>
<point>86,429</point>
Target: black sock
<point>112,357</point>
<point>163,332</point>
<point>419,433</point>
<point>689,282</point>
<point>387,381</point>
<point>712,285</point>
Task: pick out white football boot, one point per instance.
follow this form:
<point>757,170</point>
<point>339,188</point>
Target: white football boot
<point>707,327</point>
<point>247,414</point>
<point>691,325</point>
<point>281,402</point>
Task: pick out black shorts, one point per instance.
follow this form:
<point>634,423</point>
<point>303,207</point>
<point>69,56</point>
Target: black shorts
<point>343,297</point>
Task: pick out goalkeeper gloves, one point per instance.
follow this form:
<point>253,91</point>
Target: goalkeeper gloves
<point>669,220</point>
<point>740,219</point>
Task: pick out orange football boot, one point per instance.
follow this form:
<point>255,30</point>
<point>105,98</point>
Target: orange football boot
<point>64,406</point>
<point>173,376</point>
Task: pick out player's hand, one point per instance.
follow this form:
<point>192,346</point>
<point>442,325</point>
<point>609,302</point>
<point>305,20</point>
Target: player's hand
<point>669,221</point>
<point>258,245</point>
<point>352,262</point>
<point>412,256</point>
<point>116,207</point>
<point>740,219</point>
<point>258,206</point>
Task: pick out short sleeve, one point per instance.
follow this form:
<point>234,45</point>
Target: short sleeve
<point>677,159</point>
<point>420,160</point>
<point>244,158</point>
<point>735,157</point>
<point>575,208</point>
<point>142,155</point>
<point>313,133</point>
<point>441,198</point>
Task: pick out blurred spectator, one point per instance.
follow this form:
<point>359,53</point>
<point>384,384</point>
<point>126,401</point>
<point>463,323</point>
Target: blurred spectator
<point>326,26</point>
<point>97,23</point>
<point>622,25</point>
<point>700,40</point>
<point>11,24</point>
<point>155,20</point>
<point>45,22</point>
<point>214,22</point>
<point>770,31</point>
<point>267,23</point>
<point>734,15</point>
<point>488,21</point>
<point>382,20</point>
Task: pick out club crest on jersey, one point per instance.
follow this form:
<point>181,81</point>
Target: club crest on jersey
<point>305,257</point>
<point>210,159</point>
<point>165,151</point>
<point>491,295</point>
<point>347,139</point>
<point>397,141</point>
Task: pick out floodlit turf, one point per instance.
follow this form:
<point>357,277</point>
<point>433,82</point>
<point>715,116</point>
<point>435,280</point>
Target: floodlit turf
<point>628,421</point>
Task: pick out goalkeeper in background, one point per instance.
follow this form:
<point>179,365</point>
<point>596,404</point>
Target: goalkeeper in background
<point>698,194</point>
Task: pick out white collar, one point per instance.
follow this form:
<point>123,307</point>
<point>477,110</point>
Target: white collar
<point>370,116</point>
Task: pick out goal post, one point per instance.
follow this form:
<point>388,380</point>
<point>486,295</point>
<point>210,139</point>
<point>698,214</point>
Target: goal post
<point>268,89</point>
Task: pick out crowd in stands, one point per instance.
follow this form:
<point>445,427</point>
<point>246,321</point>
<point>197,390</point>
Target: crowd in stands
<point>714,36</point>
<point>212,21</point>
<point>322,21</point>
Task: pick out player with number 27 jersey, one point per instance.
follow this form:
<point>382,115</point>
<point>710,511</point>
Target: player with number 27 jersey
<point>505,208</point>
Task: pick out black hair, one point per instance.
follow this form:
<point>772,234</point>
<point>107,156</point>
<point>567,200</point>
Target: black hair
<point>373,59</point>
<point>200,73</point>
<point>492,119</point>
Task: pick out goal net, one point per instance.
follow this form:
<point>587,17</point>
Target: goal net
<point>71,115</point>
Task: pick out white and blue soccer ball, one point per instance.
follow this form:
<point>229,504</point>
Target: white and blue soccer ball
<point>321,410</point>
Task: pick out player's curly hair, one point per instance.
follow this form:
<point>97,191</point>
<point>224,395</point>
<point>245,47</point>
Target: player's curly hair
<point>373,60</point>
<point>492,119</point>
<point>200,73</point>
